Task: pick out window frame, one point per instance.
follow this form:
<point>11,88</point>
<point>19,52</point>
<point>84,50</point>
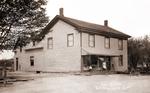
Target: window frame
<point>68,41</point>
<point>120,47</point>
<point>89,40</point>
<point>49,44</point>
<point>32,61</point>
<point>106,43</point>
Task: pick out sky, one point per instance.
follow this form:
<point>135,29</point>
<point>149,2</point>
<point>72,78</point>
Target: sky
<point>6,54</point>
<point>129,16</point>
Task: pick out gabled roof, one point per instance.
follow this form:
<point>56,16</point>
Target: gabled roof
<point>87,27</point>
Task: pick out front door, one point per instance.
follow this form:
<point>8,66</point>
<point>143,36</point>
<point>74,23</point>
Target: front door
<point>17,64</point>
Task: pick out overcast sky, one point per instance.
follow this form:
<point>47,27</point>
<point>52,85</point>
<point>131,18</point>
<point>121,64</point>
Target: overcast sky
<point>129,16</point>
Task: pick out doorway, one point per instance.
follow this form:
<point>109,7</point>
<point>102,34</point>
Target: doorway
<point>17,64</point>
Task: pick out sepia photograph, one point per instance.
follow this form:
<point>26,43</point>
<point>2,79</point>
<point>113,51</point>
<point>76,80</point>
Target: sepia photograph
<point>74,46</point>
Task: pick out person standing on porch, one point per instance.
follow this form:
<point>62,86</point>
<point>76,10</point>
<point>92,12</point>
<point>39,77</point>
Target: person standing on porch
<point>90,68</point>
<point>104,65</point>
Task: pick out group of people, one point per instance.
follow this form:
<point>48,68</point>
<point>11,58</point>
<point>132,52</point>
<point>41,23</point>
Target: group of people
<point>104,66</point>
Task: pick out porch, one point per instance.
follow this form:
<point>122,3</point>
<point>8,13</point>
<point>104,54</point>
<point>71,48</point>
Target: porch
<point>98,63</point>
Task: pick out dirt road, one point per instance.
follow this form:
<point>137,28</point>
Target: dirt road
<point>82,84</point>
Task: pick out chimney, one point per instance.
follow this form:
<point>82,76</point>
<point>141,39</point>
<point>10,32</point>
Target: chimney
<point>61,12</point>
<point>106,23</point>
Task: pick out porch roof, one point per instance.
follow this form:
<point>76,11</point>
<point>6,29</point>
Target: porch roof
<point>98,54</point>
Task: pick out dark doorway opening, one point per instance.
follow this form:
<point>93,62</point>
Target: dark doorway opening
<point>17,64</point>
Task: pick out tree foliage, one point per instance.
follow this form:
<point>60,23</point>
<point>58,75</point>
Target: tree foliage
<point>20,21</point>
<point>139,52</point>
<point>134,51</point>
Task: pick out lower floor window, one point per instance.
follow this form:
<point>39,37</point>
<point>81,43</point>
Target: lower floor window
<point>31,60</point>
<point>120,60</point>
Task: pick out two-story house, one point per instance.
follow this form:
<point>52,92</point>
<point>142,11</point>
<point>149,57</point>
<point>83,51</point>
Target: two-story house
<point>74,45</point>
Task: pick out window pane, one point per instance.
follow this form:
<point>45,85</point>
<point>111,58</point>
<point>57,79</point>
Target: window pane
<point>70,39</point>
<point>120,44</point>
<point>31,60</point>
<point>91,37</point>
<point>50,43</point>
<point>91,40</point>
<point>91,43</point>
<point>70,43</point>
<point>107,42</point>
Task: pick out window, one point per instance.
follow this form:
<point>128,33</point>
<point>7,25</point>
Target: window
<point>50,43</point>
<point>31,60</point>
<point>33,43</point>
<point>120,44</point>
<point>70,40</point>
<point>120,60</point>
<point>107,42</point>
<point>91,40</point>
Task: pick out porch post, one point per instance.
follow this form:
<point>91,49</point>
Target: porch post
<point>98,64</point>
<point>90,61</point>
<point>82,64</point>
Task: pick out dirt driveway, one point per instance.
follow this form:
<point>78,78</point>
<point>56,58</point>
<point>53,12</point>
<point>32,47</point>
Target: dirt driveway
<point>64,83</point>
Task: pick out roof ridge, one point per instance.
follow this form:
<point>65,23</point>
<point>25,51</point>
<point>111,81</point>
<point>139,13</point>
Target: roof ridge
<point>81,20</point>
<point>88,27</point>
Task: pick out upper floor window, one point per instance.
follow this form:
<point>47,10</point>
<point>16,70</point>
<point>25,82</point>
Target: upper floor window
<point>91,40</point>
<point>120,60</point>
<point>50,43</point>
<point>120,44</point>
<point>70,40</point>
<point>31,60</point>
<point>107,42</point>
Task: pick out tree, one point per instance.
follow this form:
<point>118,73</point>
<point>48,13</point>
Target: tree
<point>139,52</point>
<point>20,21</point>
<point>146,51</point>
<point>134,52</point>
